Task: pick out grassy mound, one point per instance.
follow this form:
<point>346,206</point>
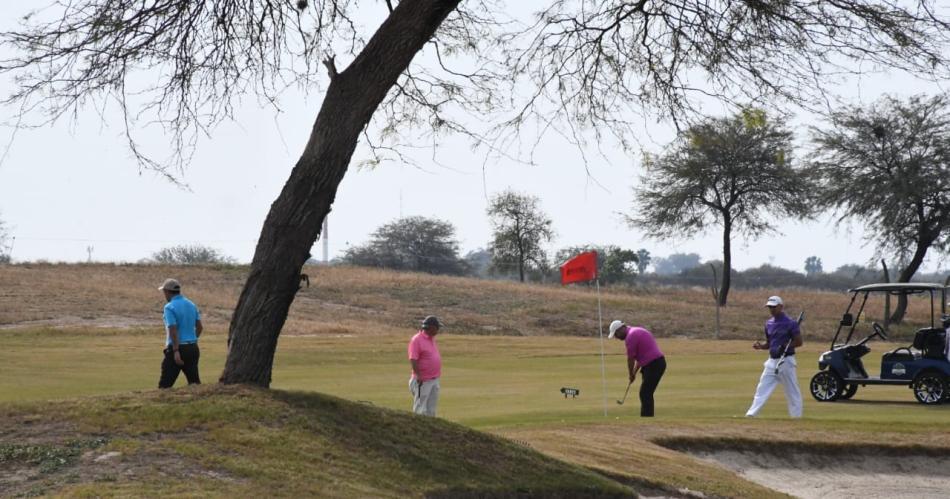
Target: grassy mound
<point>237,441</point>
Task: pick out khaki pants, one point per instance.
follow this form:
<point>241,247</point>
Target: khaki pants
<point>425,398</point>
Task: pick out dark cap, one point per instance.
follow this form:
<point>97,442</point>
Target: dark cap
<point>431,321</point>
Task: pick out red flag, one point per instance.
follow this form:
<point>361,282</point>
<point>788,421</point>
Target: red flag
<point>582,267</point>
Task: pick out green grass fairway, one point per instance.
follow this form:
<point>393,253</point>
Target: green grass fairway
<point>79,366</point>
<point>488,382</point>
<point>511,387</point>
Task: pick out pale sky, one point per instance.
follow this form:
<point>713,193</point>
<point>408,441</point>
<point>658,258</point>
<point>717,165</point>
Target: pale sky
<point>74,185</point>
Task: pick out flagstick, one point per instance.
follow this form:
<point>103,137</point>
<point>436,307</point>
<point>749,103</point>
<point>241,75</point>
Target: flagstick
<point>603,366</point>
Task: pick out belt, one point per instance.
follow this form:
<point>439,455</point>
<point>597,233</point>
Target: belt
<point>181,344</point>
<point>787,355</point>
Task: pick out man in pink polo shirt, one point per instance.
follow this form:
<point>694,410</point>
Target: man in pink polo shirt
<point>644,355</point>
<point>426,367</point>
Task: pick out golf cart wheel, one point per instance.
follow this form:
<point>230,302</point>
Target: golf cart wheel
<point>849,391</point>
<point>826,386</point>
<point>930,387</point>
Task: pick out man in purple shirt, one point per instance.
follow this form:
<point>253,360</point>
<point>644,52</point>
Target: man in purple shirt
<point>644,355</point>
<point>783,335</point>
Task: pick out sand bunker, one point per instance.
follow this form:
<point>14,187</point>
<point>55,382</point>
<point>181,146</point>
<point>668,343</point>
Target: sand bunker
<point>809,475</point>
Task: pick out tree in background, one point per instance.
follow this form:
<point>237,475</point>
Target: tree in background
<point>676,263</point>
<point>770,276</point>
<point>620,266</point>
<point>190,255</point>
<point>813,266</point>
<point>519,229</point>
<point>735,172</point>
<point>858,272</point>
<point>643,260</point>
<point>576,67</point>
<point>4,248</point>
<point>887,166</point>
<point>702,274</point>
<point>417,244</point>
<point>478,261</point>
<point>614,264</point>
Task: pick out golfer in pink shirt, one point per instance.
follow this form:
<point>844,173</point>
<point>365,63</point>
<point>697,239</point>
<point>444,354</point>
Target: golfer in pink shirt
<point>644,355</point>
<point>426,367</point>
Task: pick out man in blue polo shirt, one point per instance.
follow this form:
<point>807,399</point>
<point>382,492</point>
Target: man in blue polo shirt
<point>182,329</point>
<point>783,335</point>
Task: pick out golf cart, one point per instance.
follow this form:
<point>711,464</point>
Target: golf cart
<point>923,365</point>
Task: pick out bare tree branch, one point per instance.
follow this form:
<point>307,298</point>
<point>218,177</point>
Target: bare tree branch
<point>197,59</point>
<point>590,62</point>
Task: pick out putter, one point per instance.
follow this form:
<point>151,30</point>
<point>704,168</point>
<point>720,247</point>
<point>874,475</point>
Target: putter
<point>781,359</point>
<point>624,399</point>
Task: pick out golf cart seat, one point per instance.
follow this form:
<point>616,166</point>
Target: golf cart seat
<point>902,354</point>
<point>931,342</point>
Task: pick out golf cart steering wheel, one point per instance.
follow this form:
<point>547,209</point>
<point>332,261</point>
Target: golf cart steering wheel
<point>879,330</point>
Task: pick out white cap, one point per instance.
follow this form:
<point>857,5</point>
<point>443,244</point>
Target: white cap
<point>614,326</point>
<point>774,301</point>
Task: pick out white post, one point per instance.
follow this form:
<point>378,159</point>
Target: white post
<point>603,365</point>
<point>326,238</point>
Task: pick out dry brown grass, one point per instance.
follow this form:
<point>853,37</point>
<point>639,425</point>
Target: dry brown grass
<point>346,300</point>
<point>109,294</point>
<point>645,450</point>
<point>616,451</point>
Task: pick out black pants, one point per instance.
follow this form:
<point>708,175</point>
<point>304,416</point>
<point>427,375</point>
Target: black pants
<point>189,355</point>
<point>651,373</point>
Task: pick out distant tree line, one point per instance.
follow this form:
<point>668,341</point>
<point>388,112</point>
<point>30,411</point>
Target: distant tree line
<point>429,245</point>
<point>769,276</point>
<point>882,166</point>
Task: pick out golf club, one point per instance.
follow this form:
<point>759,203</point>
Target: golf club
<point>624,399</point>
<point>781,359</point>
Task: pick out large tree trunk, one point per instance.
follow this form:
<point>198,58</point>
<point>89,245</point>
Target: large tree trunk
<point>726,260</point>
<point>923,244</point>
<point>295,218</point>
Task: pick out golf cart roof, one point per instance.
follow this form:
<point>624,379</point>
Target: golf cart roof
<point>900,287</point>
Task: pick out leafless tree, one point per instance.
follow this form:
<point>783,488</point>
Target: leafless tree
<point>592,65</point>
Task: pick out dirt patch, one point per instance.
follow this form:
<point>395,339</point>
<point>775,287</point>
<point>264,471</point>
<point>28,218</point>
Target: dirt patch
<point>811,475</point>
<point>33,429</point>
<point>34,463</point>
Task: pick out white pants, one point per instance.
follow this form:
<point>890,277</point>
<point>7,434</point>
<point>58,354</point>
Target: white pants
<point>425,399</point>
<point>788,377</point>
